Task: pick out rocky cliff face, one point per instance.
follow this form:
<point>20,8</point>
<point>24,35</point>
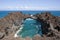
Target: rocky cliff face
<point>11,23</point>
<point>50,25</point>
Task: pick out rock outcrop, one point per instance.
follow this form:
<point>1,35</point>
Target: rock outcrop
<point>50,24</point>
<point>12,22</point>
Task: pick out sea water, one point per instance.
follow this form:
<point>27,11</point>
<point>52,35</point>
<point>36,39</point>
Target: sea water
<point>5,13</point>
<point>31,27</point>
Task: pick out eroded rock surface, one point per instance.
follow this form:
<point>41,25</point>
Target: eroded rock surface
<point>11,23</point>
<point>50,25</point>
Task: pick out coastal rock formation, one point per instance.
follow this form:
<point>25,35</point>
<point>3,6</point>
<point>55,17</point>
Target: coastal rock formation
<point>50,24</point>
<point>12,22</point>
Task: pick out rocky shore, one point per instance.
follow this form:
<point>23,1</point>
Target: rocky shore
<point>12,22</point>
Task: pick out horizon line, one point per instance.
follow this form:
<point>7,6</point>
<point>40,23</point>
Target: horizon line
<point>29,10</point>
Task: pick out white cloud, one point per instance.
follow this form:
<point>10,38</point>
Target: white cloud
<point>28,8</point>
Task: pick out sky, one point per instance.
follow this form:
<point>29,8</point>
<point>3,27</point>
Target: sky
<point>29,4</point>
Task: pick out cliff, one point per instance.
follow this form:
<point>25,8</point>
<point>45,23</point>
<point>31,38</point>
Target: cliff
<point>50,25</point>
<point>12,22</point>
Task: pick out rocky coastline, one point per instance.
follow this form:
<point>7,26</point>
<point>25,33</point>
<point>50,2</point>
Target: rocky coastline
<point>13,21</point>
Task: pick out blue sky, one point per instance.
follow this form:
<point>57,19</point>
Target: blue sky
<point>29,4</point>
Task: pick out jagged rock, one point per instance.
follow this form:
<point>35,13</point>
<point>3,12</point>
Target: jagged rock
<point>27,38</point>
<point>11,23</point>
<point>50,24</point>
<point>37,37</point>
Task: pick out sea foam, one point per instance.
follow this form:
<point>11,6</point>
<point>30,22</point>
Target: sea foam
<point>18,31</point>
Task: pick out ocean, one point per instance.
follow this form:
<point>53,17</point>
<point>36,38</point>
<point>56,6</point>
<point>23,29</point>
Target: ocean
<point>4,13</point>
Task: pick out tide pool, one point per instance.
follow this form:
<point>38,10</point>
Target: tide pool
<point>31,27</point>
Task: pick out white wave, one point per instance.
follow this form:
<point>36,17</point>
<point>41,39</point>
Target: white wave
<point>18,31</point>
<point>31,15</point>
<point>29,19</point>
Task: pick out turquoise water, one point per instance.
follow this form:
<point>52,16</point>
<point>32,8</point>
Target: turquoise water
<point>30,28</point>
